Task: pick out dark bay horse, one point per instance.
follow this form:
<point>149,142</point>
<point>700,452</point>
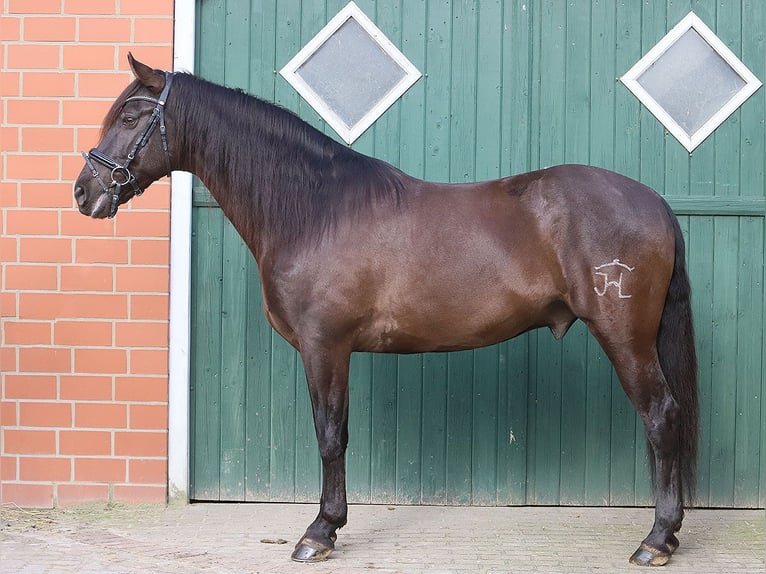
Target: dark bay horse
<point>355,255</point>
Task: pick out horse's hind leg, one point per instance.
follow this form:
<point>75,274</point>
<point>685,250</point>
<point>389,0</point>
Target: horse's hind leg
<point>639,371</point>
<point>327,376</point>
<point>660,415</point>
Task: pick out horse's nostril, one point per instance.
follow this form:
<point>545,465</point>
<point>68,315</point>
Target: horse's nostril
<point>79,195</point>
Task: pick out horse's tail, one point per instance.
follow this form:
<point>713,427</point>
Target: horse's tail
<point>678,360</point>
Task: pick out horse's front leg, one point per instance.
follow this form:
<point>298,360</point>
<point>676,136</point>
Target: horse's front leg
<point>327,376</point>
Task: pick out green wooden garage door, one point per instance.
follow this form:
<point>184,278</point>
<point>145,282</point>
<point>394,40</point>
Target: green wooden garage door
<point>508,86</point>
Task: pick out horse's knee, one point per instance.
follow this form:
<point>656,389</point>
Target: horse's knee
<point>332,440</point>
<point>332,450</point>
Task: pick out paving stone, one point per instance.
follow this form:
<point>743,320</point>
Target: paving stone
<point>229,539</point>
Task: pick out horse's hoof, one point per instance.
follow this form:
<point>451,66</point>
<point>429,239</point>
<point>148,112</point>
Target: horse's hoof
<point>649,556</point>
<point>308,550</point>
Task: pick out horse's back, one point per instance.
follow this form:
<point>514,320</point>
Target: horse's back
<point>580,195</point>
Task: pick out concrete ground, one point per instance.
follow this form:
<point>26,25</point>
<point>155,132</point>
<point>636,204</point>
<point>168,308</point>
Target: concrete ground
<point>246,538</point>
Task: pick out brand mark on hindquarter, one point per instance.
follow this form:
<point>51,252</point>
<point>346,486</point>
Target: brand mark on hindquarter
<point>612,274</point>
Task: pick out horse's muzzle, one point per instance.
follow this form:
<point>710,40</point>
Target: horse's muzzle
<point>95,208</point>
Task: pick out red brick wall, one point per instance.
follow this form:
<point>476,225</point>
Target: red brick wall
<point>84,303</point>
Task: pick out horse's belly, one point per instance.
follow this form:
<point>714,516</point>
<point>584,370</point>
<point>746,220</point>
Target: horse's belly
<point>452,326</point>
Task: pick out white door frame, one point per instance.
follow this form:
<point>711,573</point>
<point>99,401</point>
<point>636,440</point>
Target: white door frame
<point>180,282</point>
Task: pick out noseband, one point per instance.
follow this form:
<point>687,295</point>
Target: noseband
<point>120,173</point>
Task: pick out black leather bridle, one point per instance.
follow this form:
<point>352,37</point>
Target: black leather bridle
<point>120,172</point>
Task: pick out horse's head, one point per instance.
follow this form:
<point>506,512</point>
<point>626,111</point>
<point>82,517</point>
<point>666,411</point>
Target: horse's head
<point>133,151</point>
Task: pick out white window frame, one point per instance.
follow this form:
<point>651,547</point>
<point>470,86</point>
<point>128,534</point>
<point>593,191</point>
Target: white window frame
<point>691,141</point>
<point>349,133</point>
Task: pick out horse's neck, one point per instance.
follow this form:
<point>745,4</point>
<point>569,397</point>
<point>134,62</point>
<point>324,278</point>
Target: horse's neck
<point>221,162</point>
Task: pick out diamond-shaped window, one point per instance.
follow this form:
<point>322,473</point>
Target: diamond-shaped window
<point>350,73</point>
<point>691,81</point>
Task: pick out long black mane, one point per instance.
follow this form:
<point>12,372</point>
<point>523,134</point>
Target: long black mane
<point>268,169</point>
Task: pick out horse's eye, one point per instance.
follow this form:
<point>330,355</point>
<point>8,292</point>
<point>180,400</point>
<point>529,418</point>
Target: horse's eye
<point>128,121</point>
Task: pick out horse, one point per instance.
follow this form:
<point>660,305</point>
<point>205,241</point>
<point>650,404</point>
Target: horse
<point>355,255</point>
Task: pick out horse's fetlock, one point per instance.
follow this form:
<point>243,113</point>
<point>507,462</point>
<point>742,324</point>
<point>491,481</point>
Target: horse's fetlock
<point>335,518</point>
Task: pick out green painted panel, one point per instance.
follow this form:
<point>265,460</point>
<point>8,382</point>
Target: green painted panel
<point>724,365</point>
<point>753,149</point>
<point>508,86</point>
<point>574,406</point>
<point>485,434</point>
<point>233,357</point>
<point>258,410</point>
<point>383,431</point>
<point>747,413</point>
<point>701,265</point>
<point>433,486</point>
<point>513,422</point>
<point>360,420</point>
<point>307,461</point>
<point>205,426</point>
<point>460,397</point>
<point>284,369</point>
<point>409,425</point>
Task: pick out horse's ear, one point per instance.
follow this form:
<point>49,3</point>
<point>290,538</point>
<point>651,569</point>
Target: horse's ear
<point>153,79</point>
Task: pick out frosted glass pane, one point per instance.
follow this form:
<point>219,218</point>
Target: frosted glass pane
<point>691,81</point>
<point>351,72</point>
